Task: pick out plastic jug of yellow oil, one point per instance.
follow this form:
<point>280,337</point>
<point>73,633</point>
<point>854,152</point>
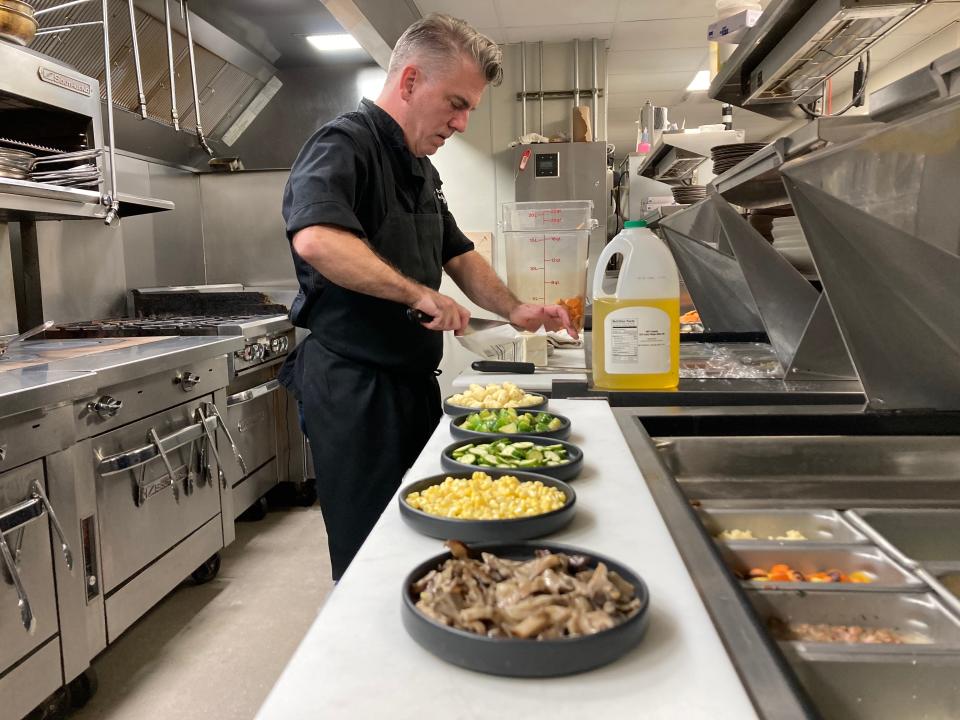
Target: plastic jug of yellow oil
<point>636,324</point>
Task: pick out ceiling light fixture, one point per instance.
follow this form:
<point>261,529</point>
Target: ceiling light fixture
<point>700,82</point>
<point>333,43</point>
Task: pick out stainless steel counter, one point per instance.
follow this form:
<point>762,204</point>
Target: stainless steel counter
<point>748,466</point>
<point>32,388</point>
<point>722,392</point>
<point>120,365</point>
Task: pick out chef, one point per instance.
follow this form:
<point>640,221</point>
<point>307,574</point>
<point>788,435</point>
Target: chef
<point>370,234</point>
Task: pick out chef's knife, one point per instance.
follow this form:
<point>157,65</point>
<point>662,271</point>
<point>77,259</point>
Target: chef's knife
<point>520,368</point>
<point>473,324</point>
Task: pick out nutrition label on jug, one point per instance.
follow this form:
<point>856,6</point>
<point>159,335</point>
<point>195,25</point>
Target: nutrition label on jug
<point>624,340</point>
<point>637,340</point>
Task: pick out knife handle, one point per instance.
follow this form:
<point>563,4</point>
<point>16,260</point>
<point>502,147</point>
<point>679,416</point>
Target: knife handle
<point>503,366</point>
<point>418,316</point>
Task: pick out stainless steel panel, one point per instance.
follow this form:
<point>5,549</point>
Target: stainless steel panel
<point>845,558</point>
<point>143,396</point>
<point>814,524</point>
<point>129,603</point>
<point>30,435</point>
<point>921,617</point>
<point>28,684</point>
<point>8,301</point>
<point>881,687</point>
<point>133,535</point>
<point>914,536</point>
<point>244,237</point>
<point>582,176</point>
<point>844,471</point>
<point>251,417</point>
<point>73,496</point>
<point>35,568</point>
<point>870,209</point>
<point>254,486</point>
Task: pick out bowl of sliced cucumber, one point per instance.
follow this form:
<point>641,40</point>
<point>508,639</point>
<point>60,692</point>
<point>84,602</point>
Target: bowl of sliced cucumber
<point>554,458</point>
<point>509,421</point>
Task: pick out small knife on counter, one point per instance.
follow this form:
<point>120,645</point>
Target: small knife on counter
<point>521,368</point>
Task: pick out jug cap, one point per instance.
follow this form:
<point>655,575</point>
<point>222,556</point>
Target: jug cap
<point>635,224</point>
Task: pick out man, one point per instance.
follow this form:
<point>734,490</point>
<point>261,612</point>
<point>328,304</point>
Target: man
<point>370,234</point>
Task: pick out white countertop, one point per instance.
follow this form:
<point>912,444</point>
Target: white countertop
<point>537,382</point>
<point>357,661</point>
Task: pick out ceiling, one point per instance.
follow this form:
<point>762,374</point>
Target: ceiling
<point>655,48</point>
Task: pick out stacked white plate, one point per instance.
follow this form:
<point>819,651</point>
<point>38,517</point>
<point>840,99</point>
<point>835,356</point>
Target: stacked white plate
<point>791,243</point>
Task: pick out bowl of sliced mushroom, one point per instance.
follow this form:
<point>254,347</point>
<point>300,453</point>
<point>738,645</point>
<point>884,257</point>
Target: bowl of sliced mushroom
<point>524,609</point>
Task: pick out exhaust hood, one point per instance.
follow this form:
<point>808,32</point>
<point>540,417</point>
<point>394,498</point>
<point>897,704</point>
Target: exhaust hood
<point>233,82</point>
<point>797,44</point>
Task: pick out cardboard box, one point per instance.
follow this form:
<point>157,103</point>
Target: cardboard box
<point>582,131</point>
<point>731,29</point>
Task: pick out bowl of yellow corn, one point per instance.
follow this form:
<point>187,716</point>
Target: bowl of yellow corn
<point>487,504</point>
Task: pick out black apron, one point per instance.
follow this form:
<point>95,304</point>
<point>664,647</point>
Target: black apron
<point>365,378</point>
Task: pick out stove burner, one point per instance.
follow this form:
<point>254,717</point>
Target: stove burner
<point>138,327</point>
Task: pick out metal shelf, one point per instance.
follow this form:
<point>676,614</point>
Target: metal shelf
<point>755,182</point>
<point>698,143</point>
<point>24,200</point>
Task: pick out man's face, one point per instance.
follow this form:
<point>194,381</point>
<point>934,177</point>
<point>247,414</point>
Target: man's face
<point>441,99</point>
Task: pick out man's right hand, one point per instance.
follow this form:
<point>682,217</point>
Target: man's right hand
<point>447,314</point>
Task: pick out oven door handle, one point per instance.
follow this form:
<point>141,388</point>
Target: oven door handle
<point>19,515</point>
<point>130,459</point>
<point>27,617</point>
<point>242,398</point>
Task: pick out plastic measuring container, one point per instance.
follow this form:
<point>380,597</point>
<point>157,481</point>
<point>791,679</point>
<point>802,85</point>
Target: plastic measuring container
<point>547,245</point>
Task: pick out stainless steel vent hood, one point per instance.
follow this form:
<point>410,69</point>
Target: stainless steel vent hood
<point>229,76</point>
<point>797,45</point>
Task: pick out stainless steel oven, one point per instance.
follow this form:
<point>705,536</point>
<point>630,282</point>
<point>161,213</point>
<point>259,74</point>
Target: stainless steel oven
<point>251,418</point>
<point>30,658</point>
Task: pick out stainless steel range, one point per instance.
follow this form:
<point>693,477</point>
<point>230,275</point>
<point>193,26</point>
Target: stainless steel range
<point>256,415</point>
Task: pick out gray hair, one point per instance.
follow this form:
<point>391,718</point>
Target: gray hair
<point>442,37</point>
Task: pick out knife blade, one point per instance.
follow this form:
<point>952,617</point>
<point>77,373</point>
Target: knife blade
<point>473,324</point>
<point>521,368</point>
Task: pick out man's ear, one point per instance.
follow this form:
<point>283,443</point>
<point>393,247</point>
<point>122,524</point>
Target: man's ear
<point>410,76</point>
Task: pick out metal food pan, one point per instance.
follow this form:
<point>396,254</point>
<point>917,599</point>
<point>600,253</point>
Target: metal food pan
<point>921,615</point>
<point>913,536</point>
<point>807,559</point>
<point>818,526</point>
<point>879,686</point>
<point>944,580</point>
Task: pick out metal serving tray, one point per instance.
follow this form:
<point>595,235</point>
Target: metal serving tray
<point>879,686</point>
<point>921,615</point>
<point>818,526</point>
<point>914,537</point>
<point>845,558</point>
<point>837,471</point>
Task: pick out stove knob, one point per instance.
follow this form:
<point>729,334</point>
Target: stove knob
<point>247,353</point>
<point>259,351</point>
<point>105,406</point>
<point>187,380</point>
<point>276,345</point>
<point>284,344</point>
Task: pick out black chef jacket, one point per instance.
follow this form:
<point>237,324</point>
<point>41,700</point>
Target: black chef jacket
<point>364,377</point>
<point>351,178</point>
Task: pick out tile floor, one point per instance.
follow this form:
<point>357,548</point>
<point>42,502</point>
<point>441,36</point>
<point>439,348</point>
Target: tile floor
<point>215,650</point>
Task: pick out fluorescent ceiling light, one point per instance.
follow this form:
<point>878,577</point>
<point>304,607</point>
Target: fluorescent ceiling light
<point>333,43</point>
<point>701,81</point>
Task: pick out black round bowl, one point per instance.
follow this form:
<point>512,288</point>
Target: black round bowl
<point>516,657</point>
<point>512,529</point>
<point>451,409</point>
<point>567,471</point>
<point>458,432</point>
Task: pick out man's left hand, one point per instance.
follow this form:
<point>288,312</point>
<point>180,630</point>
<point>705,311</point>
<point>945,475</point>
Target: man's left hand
<point>528,316</point>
